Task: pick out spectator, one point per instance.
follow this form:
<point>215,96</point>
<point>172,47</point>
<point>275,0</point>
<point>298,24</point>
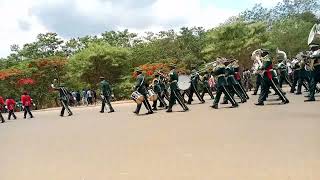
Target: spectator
<point>84,97</point>
<point>78,98</point>
<point>90,96</point>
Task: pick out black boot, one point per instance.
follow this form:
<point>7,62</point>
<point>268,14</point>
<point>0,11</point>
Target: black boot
<point>215,106</point>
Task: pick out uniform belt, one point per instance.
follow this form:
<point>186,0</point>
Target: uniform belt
<point>174,81</point>
<point>220,75</point>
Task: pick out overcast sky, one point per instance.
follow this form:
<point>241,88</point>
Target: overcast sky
<point>22,20</point>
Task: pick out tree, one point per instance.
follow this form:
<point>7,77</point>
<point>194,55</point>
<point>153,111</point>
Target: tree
<point>237,40</point>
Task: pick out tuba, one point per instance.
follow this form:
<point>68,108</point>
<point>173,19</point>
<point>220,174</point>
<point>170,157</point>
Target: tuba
<point>314,36</point>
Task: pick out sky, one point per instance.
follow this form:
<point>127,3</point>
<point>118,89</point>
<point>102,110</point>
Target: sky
<point>22,20</point>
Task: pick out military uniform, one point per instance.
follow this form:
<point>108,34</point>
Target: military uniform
<point>221,87</point>
<point>206,86</point>
<point>158,90</point>
<point>268,81</point>
<point>106,93</point>
<point>258,83</point>
<point>239,85</point>
<point>304,78</point>
<point>194,87</point>
<point>174,91</point>
<point>282,68</point>
<point>64,99</point>
<point>142,89</point>
<point>315,72</point>
<point>233,86</point>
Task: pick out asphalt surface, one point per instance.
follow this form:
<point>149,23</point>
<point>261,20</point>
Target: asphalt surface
<point>274,142</point>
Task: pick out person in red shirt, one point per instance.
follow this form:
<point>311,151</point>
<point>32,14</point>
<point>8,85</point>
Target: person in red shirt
<point>1,108</point>
<point>26,103</point>
<point>11,104</point>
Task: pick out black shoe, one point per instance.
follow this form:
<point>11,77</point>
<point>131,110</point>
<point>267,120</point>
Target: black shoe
<point>187,109</point>
<point>32,117</point>
<point>310,100</point>
<point>169,111</point>
<point>225,102</point>
<point>202,102</point>
<point>135,112</point>
<point>150,112</point>
<point>298,93</point>
<point>3,121</point>
<point>166,107</point>
<point>259,104</point>
<point>24,117</point>
<point>234,106</point>
<point>189,103</point>
<point>70,114</point>
<point>215,106</point>
<point>154,109</point>
<point>254,94</point>
<point>101,111</point>
<point>61,115</point>
<point>111,111</point>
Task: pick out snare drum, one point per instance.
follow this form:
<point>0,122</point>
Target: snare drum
<point>137,97</point>
<point>152,95</point>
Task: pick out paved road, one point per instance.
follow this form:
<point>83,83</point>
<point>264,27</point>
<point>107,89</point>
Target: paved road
<point>275,142</point>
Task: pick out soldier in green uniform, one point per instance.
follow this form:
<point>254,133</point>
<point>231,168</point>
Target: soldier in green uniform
<point>282,68</point>
<point>64,97</point>
<point>304,78</point>
<point>174,91</point>
<point>232,83</point>
<point>206,85</point>
<point>239,87</point>
<point>258,83</point>
<point>219,72</point>
<point>106,95</point>
<point>157,89</point>
<point>195,77</point>
<point>268,81</point>
<point>140,86</point>
<point>315,70</point>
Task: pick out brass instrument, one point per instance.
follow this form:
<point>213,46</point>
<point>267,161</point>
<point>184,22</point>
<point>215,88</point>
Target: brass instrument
<point>314,36</point>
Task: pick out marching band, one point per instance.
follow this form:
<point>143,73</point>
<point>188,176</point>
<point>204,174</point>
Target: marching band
<point>303,70</point>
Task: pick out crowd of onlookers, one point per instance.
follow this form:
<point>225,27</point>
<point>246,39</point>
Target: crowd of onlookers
<point>84,97</point>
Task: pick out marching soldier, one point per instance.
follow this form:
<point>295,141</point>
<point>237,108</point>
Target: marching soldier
<point>175,93</point>
<point>232,83</point>
<point>304,78</point>
<point>63,97</point>
<point>268,81</point>
<point>194,86</point>
<point>315,70</point>
<point>106,95</point>
<point>157,89</point>
<point>282,68</point>
<point>206,85</point>
<point>1,108</point>
<point>258,83</point>
<point>142,89</point>
<point>239,87</point>
<point>221,86</point>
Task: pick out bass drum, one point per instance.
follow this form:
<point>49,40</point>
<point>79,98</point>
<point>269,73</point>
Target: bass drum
<point>184,82</point>
<point>152,95</point>
<point>137,97</point>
